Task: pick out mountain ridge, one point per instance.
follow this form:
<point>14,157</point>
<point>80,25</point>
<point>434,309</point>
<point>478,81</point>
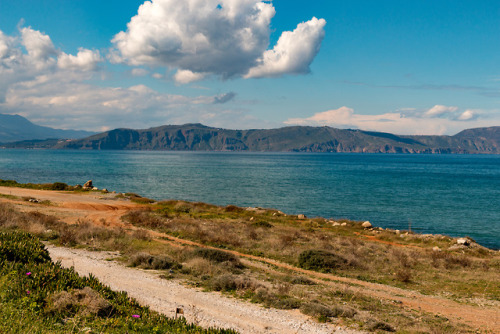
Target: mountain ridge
<point>198,137</point>
<point>14,128</point>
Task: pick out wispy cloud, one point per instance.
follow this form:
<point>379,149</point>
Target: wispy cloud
<point>480,90</point>
<point>438,119</point>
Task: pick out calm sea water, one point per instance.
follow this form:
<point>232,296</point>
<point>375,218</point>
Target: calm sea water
<point>457,195</point>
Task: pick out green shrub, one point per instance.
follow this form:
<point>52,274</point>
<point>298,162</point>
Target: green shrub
<point>321,260</point>
<point>262,223</point>
<point>302,280</point>
<point>316,310</point>
<point>58,186</point>
<point>218,256</point>
<point>223,283</point>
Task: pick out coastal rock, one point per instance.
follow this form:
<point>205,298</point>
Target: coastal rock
<point>436,249</point>
<point>366,224</point>
<point>88,185</point>
<point>95,188</point>
<point>105,190</point>
<point>343,224</point>
<point>463,241</point>
<point>301,216</point>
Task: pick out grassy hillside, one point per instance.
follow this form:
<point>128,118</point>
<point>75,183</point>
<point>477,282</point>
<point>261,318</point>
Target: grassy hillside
<point>39,296</point>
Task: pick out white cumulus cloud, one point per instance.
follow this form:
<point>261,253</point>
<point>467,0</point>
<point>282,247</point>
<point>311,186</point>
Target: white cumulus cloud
<point>186,76</point>
<point>86,60</point>
<point>293,53</point>
<point>228,38</point>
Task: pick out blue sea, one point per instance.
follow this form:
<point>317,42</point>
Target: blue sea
<point>456,195</point>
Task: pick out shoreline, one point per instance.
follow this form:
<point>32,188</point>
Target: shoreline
<point>140,199</point>
<point>105,211</point>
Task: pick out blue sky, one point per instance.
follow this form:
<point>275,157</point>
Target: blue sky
<point>409,67</point>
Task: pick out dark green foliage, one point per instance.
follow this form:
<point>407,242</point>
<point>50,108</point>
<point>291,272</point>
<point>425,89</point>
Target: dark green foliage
<point>217,256</point>
<point>380,325</point>
<point>320,260</point>
<point>44,186</point>
<point>59,186</point>
<point>22,248</point>
<point>36,295</point>
<point>262,223</point>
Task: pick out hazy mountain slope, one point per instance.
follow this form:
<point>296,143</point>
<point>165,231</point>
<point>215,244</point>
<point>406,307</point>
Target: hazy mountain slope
<point>17,128</point>
<point>197,137</point>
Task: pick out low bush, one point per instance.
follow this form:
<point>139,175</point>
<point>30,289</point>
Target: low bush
<point>320,260</point>
<point>148,261</point>
<point>302,280</point>
<point>263,223</point>
<point>218,256</point>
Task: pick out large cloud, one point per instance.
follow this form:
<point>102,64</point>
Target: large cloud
<point>39,58</point>
<point>439,119</point>
<point>223,37</point>
<point>293,53</point>
<point>53,88</point>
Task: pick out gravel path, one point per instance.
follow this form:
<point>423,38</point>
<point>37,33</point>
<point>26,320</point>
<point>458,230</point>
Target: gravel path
<point>207,309</point>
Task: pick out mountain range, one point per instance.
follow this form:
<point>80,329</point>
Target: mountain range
<point>16,128</point>
<point>18,132</point>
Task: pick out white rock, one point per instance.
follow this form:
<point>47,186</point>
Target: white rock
<point>436,249</point>
<point>301,216</point>
<point>343,224</point>
<point>366,224</point>
<point>463,241</point>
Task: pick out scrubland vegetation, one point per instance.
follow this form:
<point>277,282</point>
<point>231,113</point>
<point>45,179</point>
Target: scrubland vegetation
<point>432,265</point>
<point>39,296</point>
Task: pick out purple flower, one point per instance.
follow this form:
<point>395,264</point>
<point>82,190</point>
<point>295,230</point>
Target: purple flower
<point>28,292</point>
<point>136,316</point>
<point>28,273</point>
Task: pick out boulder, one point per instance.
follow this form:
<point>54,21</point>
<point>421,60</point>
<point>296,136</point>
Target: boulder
<point>301,216</point>
<point>343,224</point>
<point>366,224</point>
<point>88,185</point>
<point>463,241</point>
<point>436,249</point>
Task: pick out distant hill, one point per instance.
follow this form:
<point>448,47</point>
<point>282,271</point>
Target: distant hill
<point>17,128</point>
<point>197,137</point>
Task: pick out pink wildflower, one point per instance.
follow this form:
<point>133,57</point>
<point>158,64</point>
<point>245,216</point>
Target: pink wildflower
<point>136,316</point>
<point>28,273</point>
<point>28,292</point>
